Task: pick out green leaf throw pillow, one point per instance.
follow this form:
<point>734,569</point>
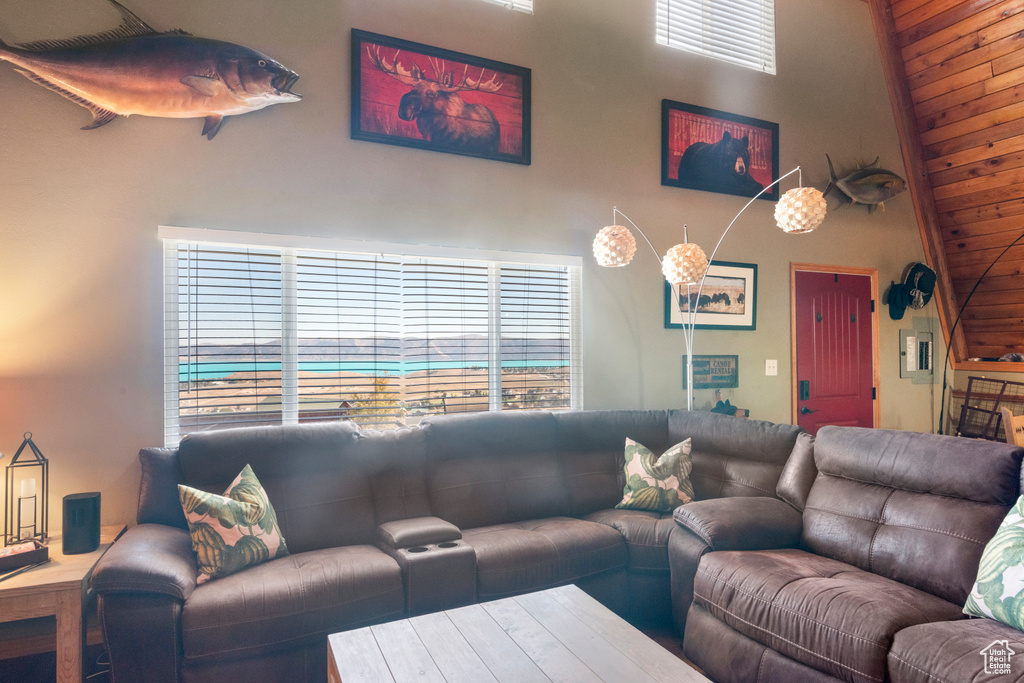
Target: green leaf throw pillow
<point>999,591</point>
<point>657,484</point>
<point>233,531</point>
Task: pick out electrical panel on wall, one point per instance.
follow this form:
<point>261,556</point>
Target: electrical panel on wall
<point>917,352</point>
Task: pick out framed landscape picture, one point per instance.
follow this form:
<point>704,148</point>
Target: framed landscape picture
<point>414,95</point>
<point>715,151</point>
<point>727,302</point>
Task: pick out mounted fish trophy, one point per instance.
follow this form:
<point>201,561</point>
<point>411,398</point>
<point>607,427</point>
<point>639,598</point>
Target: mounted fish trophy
<point>870,185</point>
<point>135,70</point>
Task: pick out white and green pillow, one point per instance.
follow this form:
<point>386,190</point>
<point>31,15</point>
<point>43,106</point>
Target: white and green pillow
<point>657,484</point>
<point>233,531</point>
<point>999,591</point>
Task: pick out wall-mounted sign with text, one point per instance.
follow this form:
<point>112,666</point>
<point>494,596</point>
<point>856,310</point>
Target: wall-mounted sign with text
<point>714,372</point>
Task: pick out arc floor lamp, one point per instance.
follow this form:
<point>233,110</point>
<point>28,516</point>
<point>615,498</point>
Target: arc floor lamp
<point>799,210</point>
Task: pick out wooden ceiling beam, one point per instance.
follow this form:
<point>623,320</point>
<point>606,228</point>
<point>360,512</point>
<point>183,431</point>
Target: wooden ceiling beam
<point>889,46</point>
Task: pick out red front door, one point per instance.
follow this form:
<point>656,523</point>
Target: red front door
<point>834,359</point>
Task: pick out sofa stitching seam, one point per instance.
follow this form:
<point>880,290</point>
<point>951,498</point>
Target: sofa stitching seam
<point>899,526</point>
<point>699,531</point>
<point>796,645</point>
<point>878,525</point>
<point>918,669</point>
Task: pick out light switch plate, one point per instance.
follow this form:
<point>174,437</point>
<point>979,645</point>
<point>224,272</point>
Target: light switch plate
<point>771,368</point>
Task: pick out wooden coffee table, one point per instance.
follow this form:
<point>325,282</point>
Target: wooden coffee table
<point>561,634</point>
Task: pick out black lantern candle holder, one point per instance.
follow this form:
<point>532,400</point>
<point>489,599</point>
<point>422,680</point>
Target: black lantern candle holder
<point>26,514</point>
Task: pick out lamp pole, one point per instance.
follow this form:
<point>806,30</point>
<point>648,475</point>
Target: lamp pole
<point>689,321</point>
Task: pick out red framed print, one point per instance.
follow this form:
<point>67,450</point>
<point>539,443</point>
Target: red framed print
<point>715,151</point>
<point>414,95</point>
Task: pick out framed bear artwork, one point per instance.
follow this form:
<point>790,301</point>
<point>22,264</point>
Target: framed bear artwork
<point>715,151</point>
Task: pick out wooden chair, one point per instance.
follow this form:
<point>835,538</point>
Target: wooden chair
<point>1013,427</point>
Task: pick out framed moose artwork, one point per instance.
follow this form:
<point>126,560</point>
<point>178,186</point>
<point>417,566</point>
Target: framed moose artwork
<point>414,95</point>
<point>715,151</point>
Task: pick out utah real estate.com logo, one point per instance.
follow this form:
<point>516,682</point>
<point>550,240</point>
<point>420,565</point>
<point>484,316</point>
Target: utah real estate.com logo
<point>997,657</point>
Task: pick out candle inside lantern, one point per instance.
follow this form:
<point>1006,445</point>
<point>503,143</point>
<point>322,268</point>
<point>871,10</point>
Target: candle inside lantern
<point>27,509</point>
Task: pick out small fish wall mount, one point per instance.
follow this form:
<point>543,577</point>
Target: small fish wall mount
<point>133,69</point>
<point>870,185</point>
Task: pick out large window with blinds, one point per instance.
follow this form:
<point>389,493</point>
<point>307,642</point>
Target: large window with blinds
<point>316,330</point>
<point>740,32</point>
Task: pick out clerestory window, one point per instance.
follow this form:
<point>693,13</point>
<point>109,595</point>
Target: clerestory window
<point>519,5</point>
<point>740,32</point>
<point>261,333</point>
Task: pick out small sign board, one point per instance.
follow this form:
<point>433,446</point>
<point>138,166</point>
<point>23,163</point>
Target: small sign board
<point>714,372</point>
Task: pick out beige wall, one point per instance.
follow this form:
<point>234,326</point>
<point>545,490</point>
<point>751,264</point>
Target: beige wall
<point>80,287</point>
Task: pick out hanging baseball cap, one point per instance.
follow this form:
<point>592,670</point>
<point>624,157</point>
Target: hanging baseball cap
<point>898,299</point>
<point>920,284</point>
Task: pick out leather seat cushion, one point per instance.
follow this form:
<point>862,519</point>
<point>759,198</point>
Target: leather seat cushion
<point>824,613</point>
<point>951,651</point>
<point>646,535</point>
<point>534,555</point>
<point>289,600</point>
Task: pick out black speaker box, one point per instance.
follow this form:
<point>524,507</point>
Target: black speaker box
<point>81,523</point>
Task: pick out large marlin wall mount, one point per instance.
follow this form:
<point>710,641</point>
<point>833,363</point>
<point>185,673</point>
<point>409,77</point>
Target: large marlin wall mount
<point>135,70</point>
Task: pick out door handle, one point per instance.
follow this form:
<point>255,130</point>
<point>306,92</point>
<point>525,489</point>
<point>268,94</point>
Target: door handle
<point>807,411</point>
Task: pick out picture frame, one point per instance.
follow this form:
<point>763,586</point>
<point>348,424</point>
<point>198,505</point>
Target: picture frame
<point>727,302</point>
<point>403,94</point>
<point>715,151</point>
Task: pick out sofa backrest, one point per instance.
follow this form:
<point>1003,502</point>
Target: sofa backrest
<point>732,456</point>
<point>592,447</point>
<point>492,468</point>
<point>332,484</point>
<point>916,508</point>
<point>315,475</point>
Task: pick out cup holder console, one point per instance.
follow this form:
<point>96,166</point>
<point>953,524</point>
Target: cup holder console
<point>438,576</point>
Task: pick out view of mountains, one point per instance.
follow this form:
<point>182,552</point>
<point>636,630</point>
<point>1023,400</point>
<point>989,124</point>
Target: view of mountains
<point>463,349</point>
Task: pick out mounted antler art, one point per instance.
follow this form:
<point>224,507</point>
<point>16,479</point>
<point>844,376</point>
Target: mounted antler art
<point>441,115</point>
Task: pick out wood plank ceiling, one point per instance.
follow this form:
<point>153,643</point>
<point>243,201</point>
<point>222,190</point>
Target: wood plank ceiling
<point>956,76</point>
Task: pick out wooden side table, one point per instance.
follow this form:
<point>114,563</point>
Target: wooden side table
<point>57,589</point>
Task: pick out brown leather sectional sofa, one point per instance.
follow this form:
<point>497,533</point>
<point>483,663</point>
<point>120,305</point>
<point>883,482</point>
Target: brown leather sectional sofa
<point>859,573</point>
<point>383,524</point>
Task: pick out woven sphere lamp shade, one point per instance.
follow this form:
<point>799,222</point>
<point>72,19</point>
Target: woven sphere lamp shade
<point>800,210</point>
<point>614,246</point>
<point>684,264</point>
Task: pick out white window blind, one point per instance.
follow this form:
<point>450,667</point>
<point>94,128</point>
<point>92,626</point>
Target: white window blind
<point>737,31</point>
<point>519,5</point>
<point>256,334</point>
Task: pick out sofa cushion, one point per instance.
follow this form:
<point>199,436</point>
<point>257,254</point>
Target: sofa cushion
<point>291,600</point>
<point>527,556</point>
<point>916,508</point>
<point>233,531</point>
<point>955,651</point>
<point>823,613</point>
<point>646,535</point>
<point>656,483</point>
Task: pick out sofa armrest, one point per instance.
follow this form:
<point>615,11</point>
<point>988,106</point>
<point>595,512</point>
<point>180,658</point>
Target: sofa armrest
<point>148,558</point>
<point>417,531</point>
<point>742,523</point>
